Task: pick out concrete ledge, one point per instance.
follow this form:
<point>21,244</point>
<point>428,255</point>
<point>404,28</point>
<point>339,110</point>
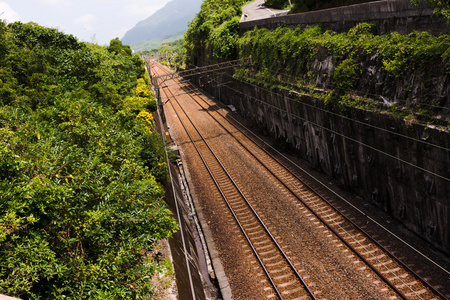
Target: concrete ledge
<point>388,15</point>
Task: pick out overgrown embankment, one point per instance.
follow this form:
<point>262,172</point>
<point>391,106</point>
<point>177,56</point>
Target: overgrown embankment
<point>213,34</point>
<point>406,74</point>
<point>372,111</point>
<point>81,204</point>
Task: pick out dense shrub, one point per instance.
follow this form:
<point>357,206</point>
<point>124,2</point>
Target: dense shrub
<point>277,3</point>
<point>171,54</point>
<point>224,40</point>
<point>442,7</point>
<point>214,31</point>
<point>293,51</point>
<point>346,74</point>
<point>81,206</point>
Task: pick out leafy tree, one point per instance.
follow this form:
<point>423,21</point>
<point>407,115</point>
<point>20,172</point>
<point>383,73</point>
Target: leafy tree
<point>224,40</point>
<point>213,32</point>
<point>81,207</point>
<point>277,3</point>
<point>442,7</point>
<point>116,46</point>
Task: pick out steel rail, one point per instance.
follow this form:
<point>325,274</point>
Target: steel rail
<point>226,201</point>
<point>314,212</point>
<point>323,185</point>
<point>245,199</point>
<point>390,254</point>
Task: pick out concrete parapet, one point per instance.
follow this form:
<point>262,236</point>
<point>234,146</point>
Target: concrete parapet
<point>388,15</point>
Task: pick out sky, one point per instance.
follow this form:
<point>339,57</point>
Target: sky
<point>97,21</point>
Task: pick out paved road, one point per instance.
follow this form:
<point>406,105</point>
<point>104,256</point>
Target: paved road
<point>256,11</point>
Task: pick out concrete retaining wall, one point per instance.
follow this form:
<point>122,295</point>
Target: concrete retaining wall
<point>403,169</point>
<point>389,15</point>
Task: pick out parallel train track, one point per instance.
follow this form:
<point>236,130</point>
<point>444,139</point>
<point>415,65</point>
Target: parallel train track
<point>282,273</point>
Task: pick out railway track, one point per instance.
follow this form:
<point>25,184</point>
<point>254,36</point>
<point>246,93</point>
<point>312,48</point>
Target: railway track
<point>401,280</point>
<point>285,281</point>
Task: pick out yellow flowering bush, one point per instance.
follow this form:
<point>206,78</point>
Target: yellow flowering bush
<point>142,89</point>
<point>147,119</point>
<point>136,103</point>
<point>143,98</point>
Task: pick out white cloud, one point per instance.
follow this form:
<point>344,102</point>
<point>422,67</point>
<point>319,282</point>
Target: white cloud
<point>86,21</point>
<point>106,19</point>
<point>7,13</point>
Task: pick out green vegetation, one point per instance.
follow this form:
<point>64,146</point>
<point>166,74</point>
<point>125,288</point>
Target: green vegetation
<point>346,74</point>
<point>81,206</point>
<point>286,55</point>
<point>214,32</point>
<point>116,47</point>
<point>442,7</point>
<point>171,54</point>
<point>360,64</point>
<point>280,4</point>
<point>155,43</point>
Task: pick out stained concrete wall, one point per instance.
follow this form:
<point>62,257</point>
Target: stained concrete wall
<point>403,169</point>
<point>388,15</point>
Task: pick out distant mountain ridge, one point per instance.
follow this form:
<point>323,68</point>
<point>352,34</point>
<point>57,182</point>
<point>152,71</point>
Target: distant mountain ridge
<point>155,43</point>
<point>170,20</point>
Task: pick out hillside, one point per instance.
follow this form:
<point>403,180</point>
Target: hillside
<point>155,43</point>
<point>81,202</point>
<point>170,20</point>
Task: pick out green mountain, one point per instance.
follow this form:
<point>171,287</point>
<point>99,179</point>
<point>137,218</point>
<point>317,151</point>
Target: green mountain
<point>170,20</point>
<point>154,43</point>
